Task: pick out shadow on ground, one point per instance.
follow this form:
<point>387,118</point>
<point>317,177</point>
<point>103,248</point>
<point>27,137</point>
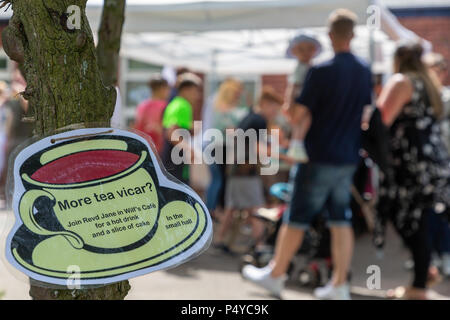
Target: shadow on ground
<point>393,272</point>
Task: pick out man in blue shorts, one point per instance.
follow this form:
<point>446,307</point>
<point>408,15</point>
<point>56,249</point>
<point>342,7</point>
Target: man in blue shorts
<point>334,94</point>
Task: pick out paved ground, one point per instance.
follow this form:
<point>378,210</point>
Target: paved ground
<point>215,276</point>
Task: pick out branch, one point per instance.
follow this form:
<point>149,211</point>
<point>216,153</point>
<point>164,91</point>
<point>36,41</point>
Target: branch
<point>109,38</point>
<point>5,3</point>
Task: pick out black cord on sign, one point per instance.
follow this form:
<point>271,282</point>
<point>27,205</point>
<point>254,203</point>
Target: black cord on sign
<point>5,3</point>
<point>81,136</point>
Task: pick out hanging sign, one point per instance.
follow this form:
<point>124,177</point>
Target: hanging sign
<point>97,202</point>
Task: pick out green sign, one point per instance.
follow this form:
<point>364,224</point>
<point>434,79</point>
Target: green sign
<point>97,201</point>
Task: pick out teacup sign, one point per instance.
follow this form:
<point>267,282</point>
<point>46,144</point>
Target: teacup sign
<point>98,200</point>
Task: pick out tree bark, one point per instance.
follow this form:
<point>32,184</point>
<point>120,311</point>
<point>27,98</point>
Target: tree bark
<point>115,291</point>
<point>109,36</point>
<point>65,86</point>
<point>60,65</point>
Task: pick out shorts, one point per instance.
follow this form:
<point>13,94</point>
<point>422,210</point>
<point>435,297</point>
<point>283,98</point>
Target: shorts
<point>244,192</point>
<point>319,188</point>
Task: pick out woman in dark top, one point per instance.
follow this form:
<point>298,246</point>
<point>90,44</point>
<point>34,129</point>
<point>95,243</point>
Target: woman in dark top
<point>417,180</point>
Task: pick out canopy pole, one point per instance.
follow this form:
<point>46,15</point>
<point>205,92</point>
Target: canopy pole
<point>371,28</point>
<point>213,76</point>
<point>371,33</point>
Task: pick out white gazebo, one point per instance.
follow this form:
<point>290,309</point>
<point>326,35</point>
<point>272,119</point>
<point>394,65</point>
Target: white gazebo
<point>228,37</point>
<point>245,38</point>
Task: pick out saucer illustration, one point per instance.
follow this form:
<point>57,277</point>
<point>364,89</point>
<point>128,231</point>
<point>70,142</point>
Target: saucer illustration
<point>97,201</point>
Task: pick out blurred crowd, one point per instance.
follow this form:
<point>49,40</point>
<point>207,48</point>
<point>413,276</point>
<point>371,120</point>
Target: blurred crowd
<point>356,151</point>
<point>13,129</point>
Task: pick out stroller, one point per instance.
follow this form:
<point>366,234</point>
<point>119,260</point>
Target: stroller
<point>312,265</point>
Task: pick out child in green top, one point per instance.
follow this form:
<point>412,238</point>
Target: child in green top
<point>179,115</point>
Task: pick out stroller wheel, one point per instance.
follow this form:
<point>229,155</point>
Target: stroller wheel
<point>309,277</point>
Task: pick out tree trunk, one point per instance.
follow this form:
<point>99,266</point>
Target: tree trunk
<point>65,87</point>
<point>43,291</point>
<point>109,35</point>
<point>64,81</point>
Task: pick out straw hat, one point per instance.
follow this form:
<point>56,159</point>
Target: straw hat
<point>303,36</point>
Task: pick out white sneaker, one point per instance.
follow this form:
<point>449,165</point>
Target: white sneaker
<point>262,278</point>
<point>329,292</point>
<point>436,261</point>
<point>297,151</point>
<point>446,264</point>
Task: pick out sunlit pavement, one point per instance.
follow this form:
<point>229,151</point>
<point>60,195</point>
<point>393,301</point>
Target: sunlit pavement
<point>216,276</point>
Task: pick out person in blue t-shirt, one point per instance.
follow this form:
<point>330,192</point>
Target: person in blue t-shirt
<point>334,96</point>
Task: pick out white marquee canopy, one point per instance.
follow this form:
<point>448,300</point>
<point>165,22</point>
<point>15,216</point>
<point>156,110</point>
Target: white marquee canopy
<point>201,15</point>
<point>244,36</point>
<point>195,15</point>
